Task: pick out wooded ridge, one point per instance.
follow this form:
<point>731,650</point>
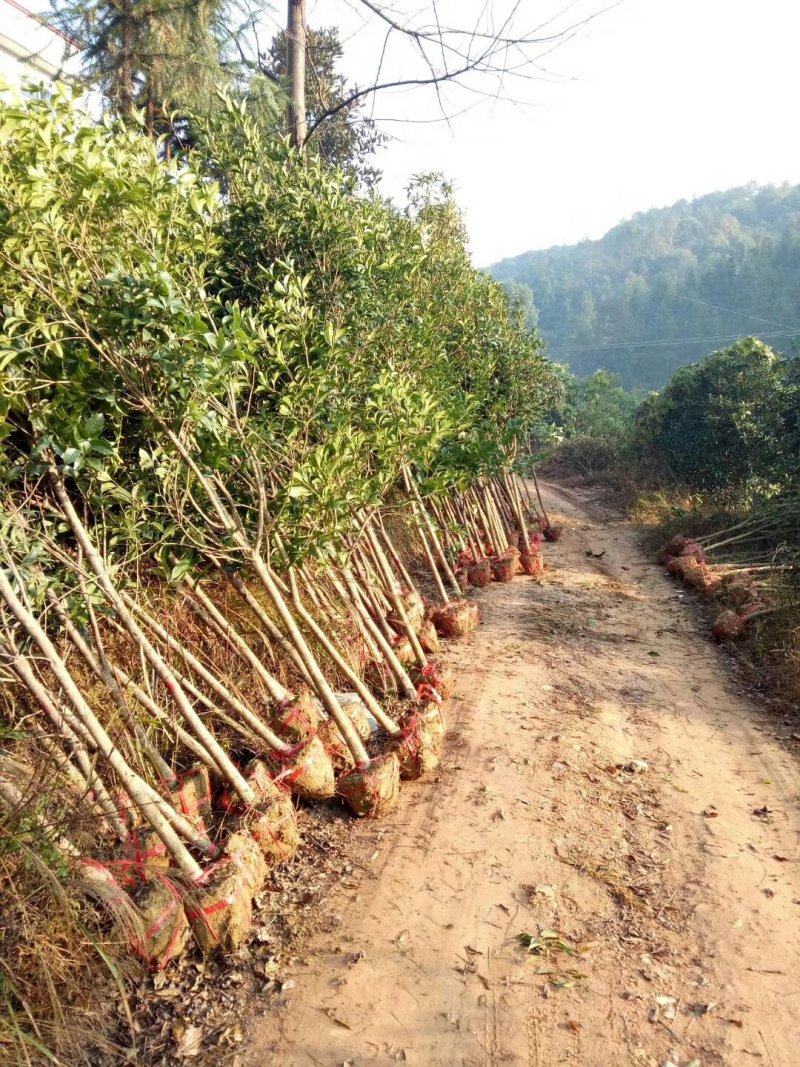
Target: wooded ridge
<point>669,285</point>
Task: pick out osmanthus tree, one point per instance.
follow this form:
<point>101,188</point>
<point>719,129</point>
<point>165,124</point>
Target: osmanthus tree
<point>488,364</point>
<point>224,375</point>
<point>727,423</point>
<point>304,341</point>
<point>396,290</point>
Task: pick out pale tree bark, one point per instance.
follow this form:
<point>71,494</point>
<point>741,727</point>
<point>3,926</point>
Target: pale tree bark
<point>296,68</point>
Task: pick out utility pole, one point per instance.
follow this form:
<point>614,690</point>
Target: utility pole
<point>296,67</point>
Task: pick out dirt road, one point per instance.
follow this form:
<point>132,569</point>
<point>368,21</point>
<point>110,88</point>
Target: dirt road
<point>605,780</point>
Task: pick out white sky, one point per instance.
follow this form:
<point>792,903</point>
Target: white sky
<point>654,101</point>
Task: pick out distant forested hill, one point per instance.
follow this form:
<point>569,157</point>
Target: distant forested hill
<point>669,285</point>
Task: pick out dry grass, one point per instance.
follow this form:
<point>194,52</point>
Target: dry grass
<point>63,965</point>
<point>62,962</point>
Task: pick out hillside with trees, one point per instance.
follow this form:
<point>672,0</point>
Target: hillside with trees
<point>668,286</point>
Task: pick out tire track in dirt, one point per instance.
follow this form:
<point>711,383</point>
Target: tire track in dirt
<point>685,904</point>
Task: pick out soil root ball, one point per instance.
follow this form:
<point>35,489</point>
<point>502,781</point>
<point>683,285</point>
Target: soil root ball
<point>418,750</point>
<point>258,776</point>
<point>307,770</point>
<point>192,797</point>
<point>145,856</point>
<point>355,710</point>
<point>374,789</point>
<point>740,591</point>
<point>437,677</point>
<point>430,712</point>
<point>456,619</point>
<point>340,755</point>
<point>531,564</point>
<point>675,566</point>
<point>553,533</point>
<point>691,550</point>
<point>298,716</point>
<point>672,548</point>
<point>220,907</point>
<point>728,626</point>
<point>404,651</point>
<point>480,574</point>
<point>428,638</point>
<point>693,572</point>
<point>273,826</point>
<point>164,927</point>
<point>414,607</point>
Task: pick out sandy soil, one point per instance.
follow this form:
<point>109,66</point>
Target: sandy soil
<point>607,781</point>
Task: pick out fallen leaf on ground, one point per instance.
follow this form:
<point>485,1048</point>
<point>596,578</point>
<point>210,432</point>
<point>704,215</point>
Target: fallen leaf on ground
<point>188,1040</point>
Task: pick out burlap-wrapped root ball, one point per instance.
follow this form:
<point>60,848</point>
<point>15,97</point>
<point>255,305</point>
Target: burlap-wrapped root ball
<point>220,907</point>
<point>553,533</point>
<point>374,789</point>
<point>692,550</point>
<point>728,626</point>
<point>456,619</point>
<point>273,826</point>
<point>414,607</point>
<point>420,747</point>
<point>675,566</point>
<point>506,566</point>
<point>297,717</point>
<point>192,797</point>
<point>164,928</point>
<point>758,603</point>
<point>480,574</point>
<point>307,770</point>
<point>428,638</point>
<point>694,573</point>
<point>404,651</point>
<point>531,564</point>
<point>340,755</point>
<point>739,590</point>
<point>672,548</point>
<point>436,675</point>
<point>462,577</point>
<point>710,585</point>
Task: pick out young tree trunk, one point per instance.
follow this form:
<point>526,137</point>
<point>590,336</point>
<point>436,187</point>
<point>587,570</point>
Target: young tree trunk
<point>161,816</point>
<point>296,67</point>
<point>150,653</point>
<point>207,610</point>
<point>411,488</point>
<point>99,665</point>
<point>245,713</point>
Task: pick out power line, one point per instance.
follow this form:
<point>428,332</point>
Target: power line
<point>664,343</point>
<point>744,314</point>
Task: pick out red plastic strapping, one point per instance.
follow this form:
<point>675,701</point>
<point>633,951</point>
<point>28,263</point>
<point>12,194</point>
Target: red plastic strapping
<point>426,692</point>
